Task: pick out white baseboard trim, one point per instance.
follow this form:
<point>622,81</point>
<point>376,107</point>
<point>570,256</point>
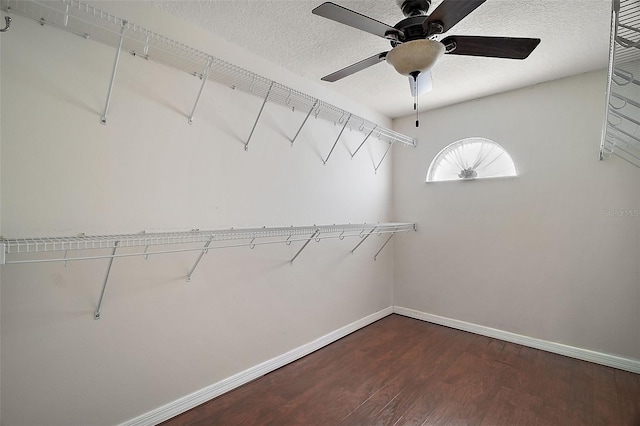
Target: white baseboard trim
<point>628,364</point>
<point>188,402</point>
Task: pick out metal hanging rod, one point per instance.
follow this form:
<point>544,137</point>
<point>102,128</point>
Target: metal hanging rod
<point>145,240</point>
<point>22,247</point>
<point>90,22</point>
<point>622,115</point>
<point>146,253</point>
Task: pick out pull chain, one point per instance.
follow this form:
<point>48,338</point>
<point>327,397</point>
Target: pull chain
<point>415,98</point>
<point>416,103</point>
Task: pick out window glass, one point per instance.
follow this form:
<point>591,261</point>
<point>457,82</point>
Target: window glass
<point>471,158</point>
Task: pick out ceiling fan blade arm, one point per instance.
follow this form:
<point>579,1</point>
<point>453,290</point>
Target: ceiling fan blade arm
<point>449,13</point>
<point>492,47</point>
<point>353,19</point>
<point>358,66</point>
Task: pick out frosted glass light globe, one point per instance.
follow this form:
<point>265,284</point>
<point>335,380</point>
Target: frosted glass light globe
<point>415,55</point>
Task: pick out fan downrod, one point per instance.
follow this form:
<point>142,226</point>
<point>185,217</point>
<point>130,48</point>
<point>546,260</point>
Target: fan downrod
<point>415,7</point>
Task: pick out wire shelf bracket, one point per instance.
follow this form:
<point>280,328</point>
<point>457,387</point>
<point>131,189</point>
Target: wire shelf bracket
<point>204,251</point>
<point>315,103</point>
<point>364,238</point>
<point>204,78</point>
<point>103,119</point>
<point>375,257</point>
<point>306,243</point>
<point>363,142</point>
<point>383,156</point>
<point>96,314</point>
<point>246,145</point>
<point>338,138</point>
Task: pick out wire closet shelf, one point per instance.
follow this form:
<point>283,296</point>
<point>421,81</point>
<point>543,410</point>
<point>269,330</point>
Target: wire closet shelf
<point>166,242</point>
<point>92,23</point>
<point>33,250</point>
<point>621,130</point>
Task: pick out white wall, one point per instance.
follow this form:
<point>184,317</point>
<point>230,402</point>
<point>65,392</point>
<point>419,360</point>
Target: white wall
<point>0,223</point>
<point>542,255</point>
<point>161,338</point>
<point>536,255</point>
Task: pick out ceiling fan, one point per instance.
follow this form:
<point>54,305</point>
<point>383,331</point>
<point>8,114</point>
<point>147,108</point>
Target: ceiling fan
<point>416,40</point>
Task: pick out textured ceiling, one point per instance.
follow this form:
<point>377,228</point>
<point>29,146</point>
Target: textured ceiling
<point>574,34</point>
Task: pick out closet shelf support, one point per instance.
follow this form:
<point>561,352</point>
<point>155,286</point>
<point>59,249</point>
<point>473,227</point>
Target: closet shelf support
<point>66,13</point>
<point>337,139</point>
<point>205,77</point>
<point>96,314</point>
<point>364,238</point>
<point>103,119</point>
<point>205,250</point>
<point>383,156</point>
<point>304,121</point>
<point>315,234</point>
<point>246,145</point>
<point>365,139</point>
<point>375,257</point>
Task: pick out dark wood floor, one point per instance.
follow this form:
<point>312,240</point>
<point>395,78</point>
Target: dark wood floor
<point>401,371</point>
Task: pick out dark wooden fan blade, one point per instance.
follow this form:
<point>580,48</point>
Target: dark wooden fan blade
<point>450,12</point>
<point>353,19</point>
<point>358,66</point>
<point>493,47</point>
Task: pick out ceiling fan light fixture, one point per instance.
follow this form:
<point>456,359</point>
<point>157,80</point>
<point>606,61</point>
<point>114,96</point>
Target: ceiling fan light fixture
<point>415,56</point>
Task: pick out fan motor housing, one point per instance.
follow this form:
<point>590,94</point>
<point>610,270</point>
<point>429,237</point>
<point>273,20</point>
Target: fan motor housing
<point>411,28</point>
<point>415,7</point>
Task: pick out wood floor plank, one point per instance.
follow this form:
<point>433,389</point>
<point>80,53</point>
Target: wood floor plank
<point>424,393</point>
<point>626,383</point>
<point>509,407</point>
<point>418,373</point>
<point>630,411</point>
<point>408,367</point>
<point>605,396</point>
<point>361,374</point>
<point>355,376</point>
<point>401,371</point>
<point>468,385</point>
<point>628,388</point>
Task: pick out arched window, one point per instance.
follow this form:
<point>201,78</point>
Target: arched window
<point>471,158</point>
